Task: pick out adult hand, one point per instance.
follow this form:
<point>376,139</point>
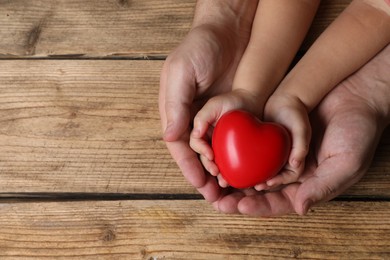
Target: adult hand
<point>346,128</point>
<point>202,66</point>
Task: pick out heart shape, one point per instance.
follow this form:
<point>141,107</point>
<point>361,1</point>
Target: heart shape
<point>248,151</point>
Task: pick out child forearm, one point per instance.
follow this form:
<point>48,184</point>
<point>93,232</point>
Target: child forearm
<point>278,30</point>
<point>356,36</point>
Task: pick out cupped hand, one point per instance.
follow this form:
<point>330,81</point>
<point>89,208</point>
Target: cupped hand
<point>290,112</point>
<point>346,128</point>
<point>206,119</point>
<point>202,66</point>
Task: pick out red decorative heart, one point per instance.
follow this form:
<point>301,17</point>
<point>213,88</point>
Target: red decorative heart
<point>248,151</point>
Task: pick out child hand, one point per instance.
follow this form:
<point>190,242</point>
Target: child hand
<point>207,117</point>
<point>291,113</point>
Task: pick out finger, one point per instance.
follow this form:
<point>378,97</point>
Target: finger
<point>301,136</point>
<point>228,204</point>
<point>202,147</point>
<point>192,169</point>
<point>222,182</point>
<point>268,204</point>
<point>261,186</point>
<point>207,116</point>
<point>210,166</point>
<point>210,190</point>
<point>177,91</point>
<point>332,177</point>
<point>284,177</point>
<point>188,162</point>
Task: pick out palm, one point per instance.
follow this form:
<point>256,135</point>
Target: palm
<point>201,67</point>
<point>346,135</point>
<point>210,57</point>
<point>347,127</point>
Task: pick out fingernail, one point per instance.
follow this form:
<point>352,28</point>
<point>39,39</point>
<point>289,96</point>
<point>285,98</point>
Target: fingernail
<point>260,187</point>
<point>306,206</point>
<point>168,129</point>
<point>295,163</point>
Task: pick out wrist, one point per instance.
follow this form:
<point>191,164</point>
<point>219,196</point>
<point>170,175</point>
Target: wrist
<point>372,84</point>
<point>250,101</point>
<point>377,98</point>
<point>381,101</point>
<point>237,15</point>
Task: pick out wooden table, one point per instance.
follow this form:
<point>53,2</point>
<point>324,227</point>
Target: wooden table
<point>84,172</point>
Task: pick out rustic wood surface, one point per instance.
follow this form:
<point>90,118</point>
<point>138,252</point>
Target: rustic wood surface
<point>114,28</point>
<point>93,28</point>
<point>83,126</point>
<point>190,230</point>
<point>93,126</point>
<point>84,172</point>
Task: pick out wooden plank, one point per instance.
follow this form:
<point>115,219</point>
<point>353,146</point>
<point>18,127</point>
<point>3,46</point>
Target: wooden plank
<point>93,126</point>
<point>83,126</point>
<point>93,28</point>
<point>190,230</point>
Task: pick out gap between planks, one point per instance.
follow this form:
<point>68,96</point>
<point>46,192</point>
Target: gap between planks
<point>150,57</point>
<point>80,196</point>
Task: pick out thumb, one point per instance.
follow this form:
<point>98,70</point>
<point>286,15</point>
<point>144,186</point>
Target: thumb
<point>301,135</point>
<point>332,177</point>
<point>177,91</point>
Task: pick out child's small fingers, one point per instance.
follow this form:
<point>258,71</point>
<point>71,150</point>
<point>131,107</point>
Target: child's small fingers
<point>202,147</point>
<point>283,178</point>
<point>222,182</point>
<point>205,118</point>
<point>200,127</point>
<point>261,187</point>
<point>209,165</point>
<point>275,181</point>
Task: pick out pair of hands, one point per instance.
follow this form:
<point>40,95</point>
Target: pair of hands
<point>287,111</point>
<point>346,125</point>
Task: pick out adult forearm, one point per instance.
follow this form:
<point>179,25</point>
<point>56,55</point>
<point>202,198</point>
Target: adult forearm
<point>236,13</point>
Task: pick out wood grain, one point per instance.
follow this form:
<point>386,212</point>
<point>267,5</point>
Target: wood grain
<point>190,230</point>
<point>93,126</point>
<point>93,28</point>
<point>74,126</point>
<point>83,126</point>
<point>90,28</point>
